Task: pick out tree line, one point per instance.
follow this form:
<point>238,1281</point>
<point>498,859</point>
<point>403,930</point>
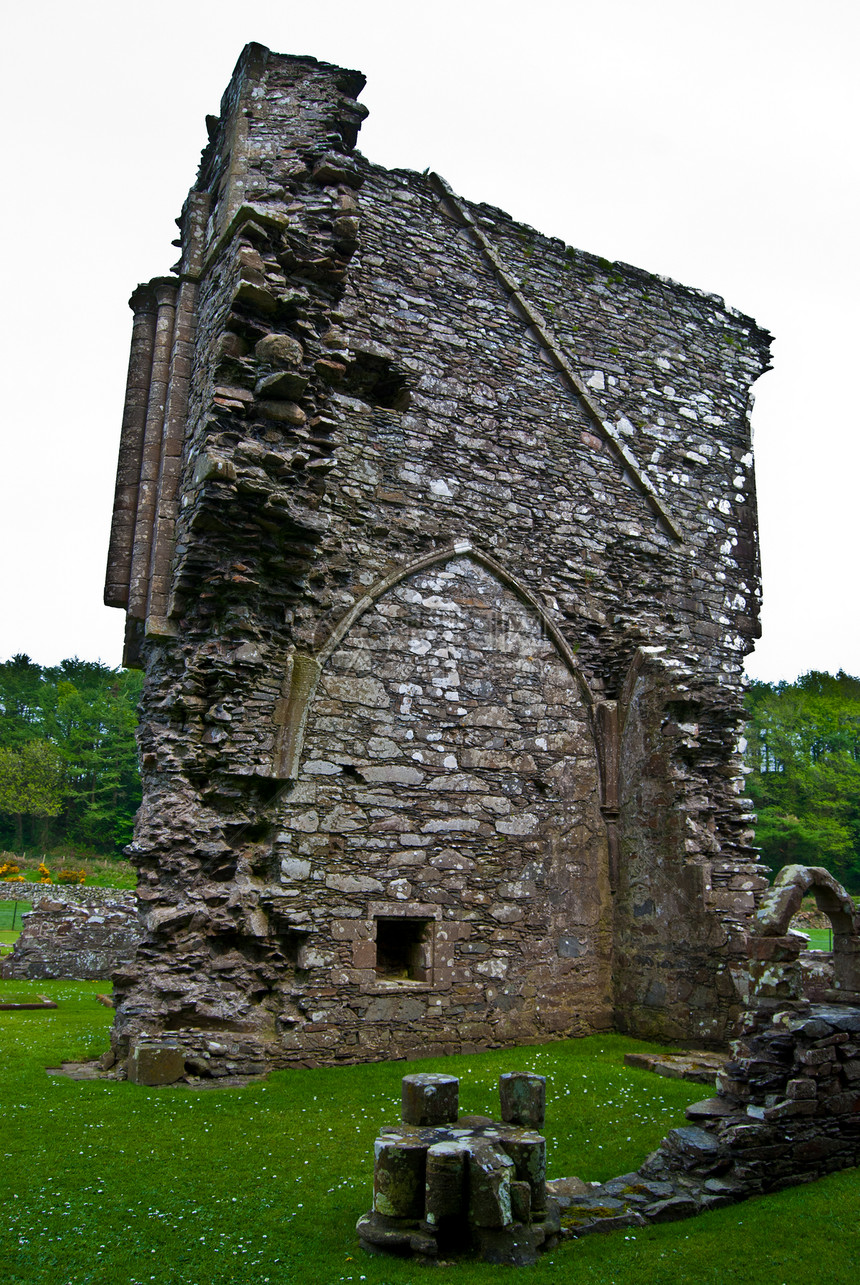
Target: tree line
<point>803,755</point>
<point>68,758</point>
<point>68,762</point>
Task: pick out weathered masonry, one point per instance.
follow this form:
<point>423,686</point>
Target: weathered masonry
<point>73,932</point>
<point>437,543</point>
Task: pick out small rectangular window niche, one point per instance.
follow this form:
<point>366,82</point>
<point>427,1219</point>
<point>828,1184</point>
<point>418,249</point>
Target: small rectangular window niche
<point>404,949</point>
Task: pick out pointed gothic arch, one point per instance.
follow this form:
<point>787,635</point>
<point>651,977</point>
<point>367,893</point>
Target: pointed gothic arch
<point>461,549</point>
<point>304,669</point>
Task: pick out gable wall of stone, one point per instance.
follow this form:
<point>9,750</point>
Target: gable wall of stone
<point>412,404</point>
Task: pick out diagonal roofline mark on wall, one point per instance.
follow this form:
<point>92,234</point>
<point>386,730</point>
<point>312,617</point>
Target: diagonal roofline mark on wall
<point>547,341</point>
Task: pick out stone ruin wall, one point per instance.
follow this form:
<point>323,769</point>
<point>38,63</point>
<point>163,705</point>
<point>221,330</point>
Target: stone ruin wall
<point>787,1106</point>
<point>787,1111</point>
<point>74,932</point>
<point>74,894</point>
<point>437,542</point>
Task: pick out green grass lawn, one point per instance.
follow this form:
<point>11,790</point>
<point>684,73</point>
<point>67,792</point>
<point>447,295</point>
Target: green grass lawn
<point>108,1182</point>
<point>11,913</point>
<point>101,871</point>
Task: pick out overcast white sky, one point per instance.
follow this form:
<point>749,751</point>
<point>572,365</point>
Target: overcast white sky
<point>712,142</point>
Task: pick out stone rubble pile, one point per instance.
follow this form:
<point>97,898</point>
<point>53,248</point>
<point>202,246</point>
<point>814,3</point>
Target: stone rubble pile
<point>787,1111</point>
<point>62,937</point>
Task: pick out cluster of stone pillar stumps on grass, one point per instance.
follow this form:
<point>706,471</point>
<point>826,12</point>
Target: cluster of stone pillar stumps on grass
<point>786,1111</point>
<point>445,1184</point>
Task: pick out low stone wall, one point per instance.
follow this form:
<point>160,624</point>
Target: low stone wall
<point>75,894</point>
<point>787,1111</point>
<point>219,1055</point>
<point>67,937</point>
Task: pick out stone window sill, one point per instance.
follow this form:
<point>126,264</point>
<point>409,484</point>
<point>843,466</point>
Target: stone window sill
<point>387,985</point>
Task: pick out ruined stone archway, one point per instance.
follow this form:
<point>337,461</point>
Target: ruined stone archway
<point>444,833</point>
<point>782,901</point>
<point>304,669</point>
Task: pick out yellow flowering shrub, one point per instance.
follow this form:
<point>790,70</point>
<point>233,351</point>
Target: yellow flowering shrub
<point>67,875</point>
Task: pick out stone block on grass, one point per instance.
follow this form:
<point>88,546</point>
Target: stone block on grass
<point>523,1099</point>
<point>156,1064</point>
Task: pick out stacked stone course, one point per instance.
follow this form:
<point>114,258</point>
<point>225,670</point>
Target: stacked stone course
<point>75,932</point>
<point>437,542</point>
<point>787,1111</point>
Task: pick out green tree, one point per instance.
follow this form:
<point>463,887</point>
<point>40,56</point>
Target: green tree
<point>21,692</point>
<point>804,756</point>
<point>32,782</point>
<point>87,711</point>
<point>95,721</point>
